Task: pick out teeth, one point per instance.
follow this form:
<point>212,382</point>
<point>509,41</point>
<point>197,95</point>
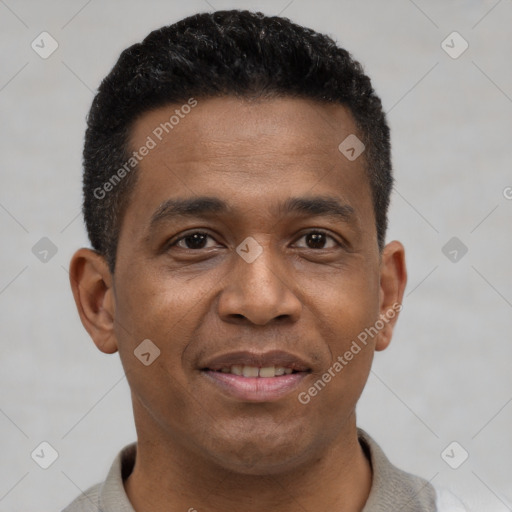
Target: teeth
<point>269,371</point>
<point>255,371</point>
<point>237,370</point>
<point>250,371</point>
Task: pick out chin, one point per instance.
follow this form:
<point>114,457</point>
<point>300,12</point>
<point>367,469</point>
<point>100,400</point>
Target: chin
<point>259,457</point>
<point>259,466</point>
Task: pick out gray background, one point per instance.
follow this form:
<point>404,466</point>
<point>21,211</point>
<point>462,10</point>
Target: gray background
<point>447,375</point>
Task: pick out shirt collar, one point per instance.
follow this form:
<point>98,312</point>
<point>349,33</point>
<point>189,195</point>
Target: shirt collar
<point>390,486</point>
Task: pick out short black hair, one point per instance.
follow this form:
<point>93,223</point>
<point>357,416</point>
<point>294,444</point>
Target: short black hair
<point>223,53</point>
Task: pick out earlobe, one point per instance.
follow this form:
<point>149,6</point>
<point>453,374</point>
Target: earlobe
<point>91,283</point>
<point>393,278</point>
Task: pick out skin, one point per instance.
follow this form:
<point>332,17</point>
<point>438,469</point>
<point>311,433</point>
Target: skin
<point>197,447</point>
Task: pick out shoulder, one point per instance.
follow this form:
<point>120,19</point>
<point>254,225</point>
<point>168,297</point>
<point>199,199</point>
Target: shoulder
<point>392,488</point>
<point>109,495</point>
<point>88,501</point>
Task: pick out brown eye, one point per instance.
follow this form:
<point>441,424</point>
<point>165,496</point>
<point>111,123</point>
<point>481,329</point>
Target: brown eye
<point>195,240</point>
<point>318,240</point>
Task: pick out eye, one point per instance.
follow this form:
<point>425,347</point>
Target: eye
<point>199,240</point>
<point>318,239</point>
<point>194,240</point>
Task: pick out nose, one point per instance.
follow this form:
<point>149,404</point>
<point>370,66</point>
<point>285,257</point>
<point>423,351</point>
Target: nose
<point>259,292</point>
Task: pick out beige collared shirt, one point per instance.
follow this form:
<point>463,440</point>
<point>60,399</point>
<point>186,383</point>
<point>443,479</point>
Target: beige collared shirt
<point>392,489</point>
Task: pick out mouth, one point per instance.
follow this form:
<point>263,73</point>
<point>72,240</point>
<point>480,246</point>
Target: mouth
<point>254,371</point>
<point>251,377</point>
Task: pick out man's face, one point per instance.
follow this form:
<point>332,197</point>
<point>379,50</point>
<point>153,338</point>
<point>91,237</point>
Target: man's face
<point>272,278</point>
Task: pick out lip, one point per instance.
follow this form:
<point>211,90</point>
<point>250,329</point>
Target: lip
<point>256,389</point>
<point>261,359</point>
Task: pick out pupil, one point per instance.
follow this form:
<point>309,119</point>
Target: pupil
<point>196,241</point>
<point>317,240</point>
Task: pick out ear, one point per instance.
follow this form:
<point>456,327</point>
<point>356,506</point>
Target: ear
<point>91,282</point>
<point>393,278</point>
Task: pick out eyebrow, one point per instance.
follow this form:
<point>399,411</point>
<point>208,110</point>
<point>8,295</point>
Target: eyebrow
<point>204,206</point>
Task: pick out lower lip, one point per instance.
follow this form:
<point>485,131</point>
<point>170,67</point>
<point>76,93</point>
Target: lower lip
<point>255,389</point>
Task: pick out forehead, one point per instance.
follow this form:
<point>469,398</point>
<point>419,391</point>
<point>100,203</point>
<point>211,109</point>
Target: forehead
<point>247,153</point>
<point>228,126</point>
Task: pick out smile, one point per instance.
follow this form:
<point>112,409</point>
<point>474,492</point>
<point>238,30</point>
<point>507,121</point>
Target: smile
<point>255,377</point>
<point>254,371</point>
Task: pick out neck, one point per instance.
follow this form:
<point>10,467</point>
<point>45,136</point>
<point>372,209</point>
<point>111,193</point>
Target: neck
<point>167,476</point>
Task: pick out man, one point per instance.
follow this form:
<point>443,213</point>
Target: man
<point>237,177</point>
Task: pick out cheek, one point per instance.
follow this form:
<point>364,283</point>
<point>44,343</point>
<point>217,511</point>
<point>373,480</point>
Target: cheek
<point>343,310</point>
<point>154,321</point>
<point>149,320</point>
<point>158,307</point>
<point>166,311</point>
<point>345,302</point>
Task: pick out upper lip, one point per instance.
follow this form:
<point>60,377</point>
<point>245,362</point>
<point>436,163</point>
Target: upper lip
<point>259,359</point>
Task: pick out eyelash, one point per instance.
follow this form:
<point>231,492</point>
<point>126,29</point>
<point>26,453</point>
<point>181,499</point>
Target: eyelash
<point>187,235</point>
